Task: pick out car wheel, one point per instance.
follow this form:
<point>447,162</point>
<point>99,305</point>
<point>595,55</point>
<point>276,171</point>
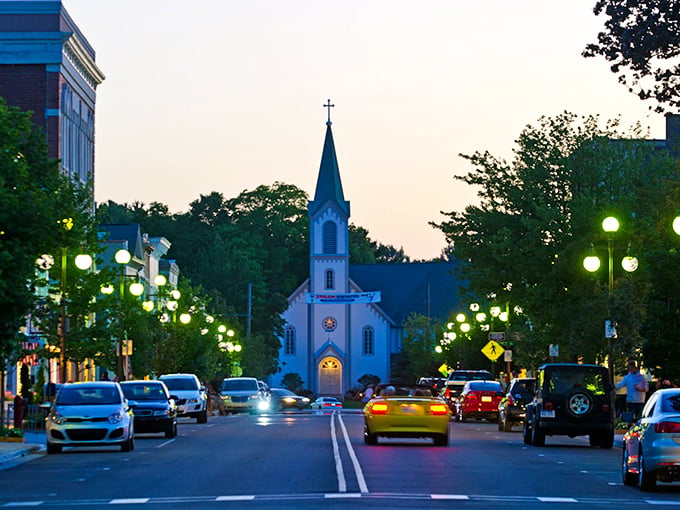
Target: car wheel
<point>500,423</point>
<point>202,416</point>
<point>579,402</point>
<point>627,477</point>
<point>526,432</point>
<point>172,431</point>
<point>537,435</point>
<point>441,439</point>
<point>53,448</point>
<point>370,439</point>
<point>646,480</point>
<point>128,445</point>
<point>507,425</point>
<point>607,440</point>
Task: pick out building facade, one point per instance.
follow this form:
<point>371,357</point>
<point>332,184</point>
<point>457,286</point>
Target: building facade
<point>47,66</point>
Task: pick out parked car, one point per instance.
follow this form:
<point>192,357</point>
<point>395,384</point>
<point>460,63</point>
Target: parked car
<point>455,381</point>
<point>436,383</point>
<point>479,400</point>
<point>571,400</point>
<point>406,411</point>
<point>281,399</point>
<point>156,410</point>
<point>512,407</point>
<point>193,399</point>
<point>326,403</point>
<point>90,414</point>
<point>241,394</point>
<point>651,451</point>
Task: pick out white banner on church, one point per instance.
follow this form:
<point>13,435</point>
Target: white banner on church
<point>343,299</point>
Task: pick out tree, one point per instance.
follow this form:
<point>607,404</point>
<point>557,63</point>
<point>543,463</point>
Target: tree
<point>293,382</point>
<point>29,178</point>
<point>421,335</point>
<point>538,216</point>
<point>641,42</point>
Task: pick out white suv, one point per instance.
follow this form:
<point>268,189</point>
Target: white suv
<point>243,394</point>
<point>192,398</point>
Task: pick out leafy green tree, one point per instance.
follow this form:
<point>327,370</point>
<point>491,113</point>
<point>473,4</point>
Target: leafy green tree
<point>28,176</point>
<point>539,214</point>
<point>641,42</point>
<point>421,336</point>
<point>293,382</point>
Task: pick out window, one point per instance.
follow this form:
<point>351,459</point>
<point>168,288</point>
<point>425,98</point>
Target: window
<point>330,279</point>
<point>330,237</point>
<point>289,346</point>
<point>367,345</point>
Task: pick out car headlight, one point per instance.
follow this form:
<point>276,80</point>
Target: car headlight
<point>263,405</point>
<point>56,418</point>
<point>192,400</point>
<point>289,400</point>
<point>116,417</point>
<point>161,412</point>
<point>305,400</point>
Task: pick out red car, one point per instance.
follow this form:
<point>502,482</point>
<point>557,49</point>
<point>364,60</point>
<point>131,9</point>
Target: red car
<point>479,400</point>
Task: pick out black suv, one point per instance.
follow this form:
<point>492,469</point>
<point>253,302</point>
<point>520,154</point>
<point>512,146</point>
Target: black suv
<point>571,400</point>
<point>512,408</point>
<point>454,383</point>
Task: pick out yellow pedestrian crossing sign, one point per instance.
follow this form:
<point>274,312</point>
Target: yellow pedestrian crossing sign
<point>493,350</point>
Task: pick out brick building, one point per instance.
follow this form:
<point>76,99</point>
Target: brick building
<point>47,66</point>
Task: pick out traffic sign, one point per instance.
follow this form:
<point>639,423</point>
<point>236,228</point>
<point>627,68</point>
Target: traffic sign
<point>498,336</point>
<point>493,350</point>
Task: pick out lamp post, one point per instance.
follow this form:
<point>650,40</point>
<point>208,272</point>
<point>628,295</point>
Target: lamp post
<point>610,226</point>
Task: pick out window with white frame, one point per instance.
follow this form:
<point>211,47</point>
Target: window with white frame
<point>289,345</point>
<point>330,279</point>
<point>368,341</point>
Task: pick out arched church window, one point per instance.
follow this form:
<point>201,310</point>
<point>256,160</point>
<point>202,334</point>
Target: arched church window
<point>330,364</point>
<point>330,279</point>
<point>289,344</point>
<point>368,341</point>
<point>330,237</point>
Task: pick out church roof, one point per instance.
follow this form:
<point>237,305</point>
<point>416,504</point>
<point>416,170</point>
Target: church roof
<point>328,184</point>
<point>427,288</point>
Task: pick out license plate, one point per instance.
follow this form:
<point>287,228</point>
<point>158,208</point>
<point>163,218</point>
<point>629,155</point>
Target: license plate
<point>486,399</point>
<point>547,414</point>
<point>408,409</point>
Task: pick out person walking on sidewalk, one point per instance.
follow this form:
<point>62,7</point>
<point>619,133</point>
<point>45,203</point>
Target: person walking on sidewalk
<point>637,387</point>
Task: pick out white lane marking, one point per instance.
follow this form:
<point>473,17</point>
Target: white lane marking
<point>355,462</point>
<point>165,443</point>
<point>335,495</point>
<point>342,484</point>
<point>24,503</point>
<point>449,496</point>
<point>557,500</point>
<point>129,501</point>
<point>234,498</point>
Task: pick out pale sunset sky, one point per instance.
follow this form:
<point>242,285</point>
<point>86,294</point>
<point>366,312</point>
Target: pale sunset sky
<point>227,95</point>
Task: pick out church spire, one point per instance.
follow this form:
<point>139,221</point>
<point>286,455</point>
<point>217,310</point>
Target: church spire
<point>328,184</point>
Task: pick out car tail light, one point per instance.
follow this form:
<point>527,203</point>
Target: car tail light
<point>605,408</point>
<point>439,409</point>
<point>547,405</point>
<point>667,427</point>
<point>511,400</point>
<point>379,408</point>
<point>447,393</point>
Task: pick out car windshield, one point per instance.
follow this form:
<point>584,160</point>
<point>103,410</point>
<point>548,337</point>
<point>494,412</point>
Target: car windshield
<point>524,388</point>
<point>563,380</point>
<point>239,385</point>
<point>144,391</point>
<point>88,396</point>
<point>671,404</point>
<point>485,386</point>
<point>282,393</point>
<point>180,383</point>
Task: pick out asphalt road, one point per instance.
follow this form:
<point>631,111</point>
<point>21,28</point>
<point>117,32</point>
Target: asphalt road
<point>316,460</point>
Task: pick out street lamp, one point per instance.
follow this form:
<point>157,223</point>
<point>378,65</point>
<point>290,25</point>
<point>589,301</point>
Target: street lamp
<point>610,226</point>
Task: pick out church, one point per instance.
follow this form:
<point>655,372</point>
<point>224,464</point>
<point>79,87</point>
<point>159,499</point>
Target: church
<point>345,320</point>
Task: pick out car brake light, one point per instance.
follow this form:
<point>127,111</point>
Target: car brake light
<point>379,408</point>
<point>667,427</point>
<point>548,405</point>
<point>511,400</point>
<point>448,392</point>
<point>439,409</point>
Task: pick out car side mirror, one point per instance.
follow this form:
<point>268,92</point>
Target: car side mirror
<point>132,403</point>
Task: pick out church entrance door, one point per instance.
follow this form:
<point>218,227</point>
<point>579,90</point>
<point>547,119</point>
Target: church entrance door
<point>330,376</point>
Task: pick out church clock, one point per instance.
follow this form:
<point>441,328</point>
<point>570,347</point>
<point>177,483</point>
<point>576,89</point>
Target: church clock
<point>329,324</point>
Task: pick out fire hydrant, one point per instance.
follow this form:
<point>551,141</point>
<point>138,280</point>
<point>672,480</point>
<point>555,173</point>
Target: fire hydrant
<point>19,409</point>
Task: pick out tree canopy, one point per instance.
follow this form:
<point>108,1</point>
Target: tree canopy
<point>641,42</point>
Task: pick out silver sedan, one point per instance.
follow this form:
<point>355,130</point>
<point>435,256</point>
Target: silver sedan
<point>651,448</point>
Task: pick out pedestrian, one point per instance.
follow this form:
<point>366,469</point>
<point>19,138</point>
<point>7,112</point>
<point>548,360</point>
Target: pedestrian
<point>637,387</point>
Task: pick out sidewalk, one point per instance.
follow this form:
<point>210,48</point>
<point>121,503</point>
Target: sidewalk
<point>13,453</point>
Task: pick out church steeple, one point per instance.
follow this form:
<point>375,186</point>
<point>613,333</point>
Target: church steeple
<point>328,184</point>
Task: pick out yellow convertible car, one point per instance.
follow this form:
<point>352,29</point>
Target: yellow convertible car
<point>406,411</point>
